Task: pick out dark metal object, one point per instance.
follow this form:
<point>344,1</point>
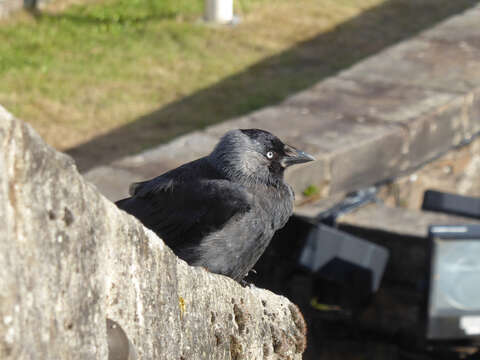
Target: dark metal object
<point>348,268</point>
<point>341,257</point>
<point>453,305</point>
<point>30,4</point>
<point>451,204</point>
<point>351,202</point>
<point>345,269</point>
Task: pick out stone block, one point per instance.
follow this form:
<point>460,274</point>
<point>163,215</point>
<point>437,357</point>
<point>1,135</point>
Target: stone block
<point>361,98</point>
<point>436,133</point>
<point>424,63</point>
<point>369,155</point>
<point>472,114</point>
<point>461,29</point>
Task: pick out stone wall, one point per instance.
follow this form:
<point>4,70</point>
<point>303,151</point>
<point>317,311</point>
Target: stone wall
<point>71,259</point>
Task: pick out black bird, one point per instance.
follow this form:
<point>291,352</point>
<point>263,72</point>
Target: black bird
<point>221,211</point>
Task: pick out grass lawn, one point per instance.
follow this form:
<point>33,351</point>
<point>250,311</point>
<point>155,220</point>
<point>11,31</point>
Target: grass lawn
<point>112,77</point>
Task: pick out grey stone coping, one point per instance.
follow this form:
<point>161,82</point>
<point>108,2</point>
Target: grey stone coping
<point>383,116</point>
<point>400,221</point>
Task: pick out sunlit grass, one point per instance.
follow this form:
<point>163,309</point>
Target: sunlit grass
<point>92,68</point>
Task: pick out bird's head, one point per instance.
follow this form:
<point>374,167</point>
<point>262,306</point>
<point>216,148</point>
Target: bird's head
<point>255,155</point>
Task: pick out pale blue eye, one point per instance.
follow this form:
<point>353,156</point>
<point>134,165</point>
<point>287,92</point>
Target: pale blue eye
<point>270,154</point>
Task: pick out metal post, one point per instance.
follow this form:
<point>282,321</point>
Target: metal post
<point>30,4</point>
<point>219,11</point>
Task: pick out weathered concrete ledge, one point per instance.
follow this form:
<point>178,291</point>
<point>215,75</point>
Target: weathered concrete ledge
<point>408,223</point>
<point>384,116</point>
<point>71,259</point>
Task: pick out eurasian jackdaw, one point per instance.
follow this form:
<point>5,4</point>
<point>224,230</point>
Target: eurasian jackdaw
<point>221,211</point>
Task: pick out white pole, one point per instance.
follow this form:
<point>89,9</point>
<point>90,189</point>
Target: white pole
<point>219,11</point>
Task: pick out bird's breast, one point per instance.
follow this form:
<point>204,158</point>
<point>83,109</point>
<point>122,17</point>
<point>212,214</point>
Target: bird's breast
<point>274,206</point>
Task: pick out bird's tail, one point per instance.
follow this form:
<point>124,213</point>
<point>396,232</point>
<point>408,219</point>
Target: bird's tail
<point>122,203</point>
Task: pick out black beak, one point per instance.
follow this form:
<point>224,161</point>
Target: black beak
<point>294,156</point>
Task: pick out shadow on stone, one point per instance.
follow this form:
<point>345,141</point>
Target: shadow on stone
<point>119,346</point>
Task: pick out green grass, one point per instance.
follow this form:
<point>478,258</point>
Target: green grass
<point>92,45</point>
<point>123,75</point>
<point>66,73</point>
<point>81,29</point>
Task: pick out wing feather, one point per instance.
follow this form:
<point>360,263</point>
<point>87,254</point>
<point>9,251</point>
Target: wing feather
<point>182,213</point>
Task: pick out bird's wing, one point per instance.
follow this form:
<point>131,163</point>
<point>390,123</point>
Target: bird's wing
<point>182,213</point>
<point>191,171</point>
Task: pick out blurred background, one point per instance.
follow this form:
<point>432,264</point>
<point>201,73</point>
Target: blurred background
<point>105,79</point>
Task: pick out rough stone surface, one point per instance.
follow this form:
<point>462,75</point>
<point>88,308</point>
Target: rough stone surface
<point>471,116</point>
<point>435,133</point>
<point>460,28</point>
<point>457,171</point>
<point>364,163</point>
<point>424,63</point>
<point>364,98</point>
<point>468,182</point>
<point>71,260</point>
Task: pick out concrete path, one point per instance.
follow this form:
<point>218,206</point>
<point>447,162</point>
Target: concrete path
<point>382,117</point>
